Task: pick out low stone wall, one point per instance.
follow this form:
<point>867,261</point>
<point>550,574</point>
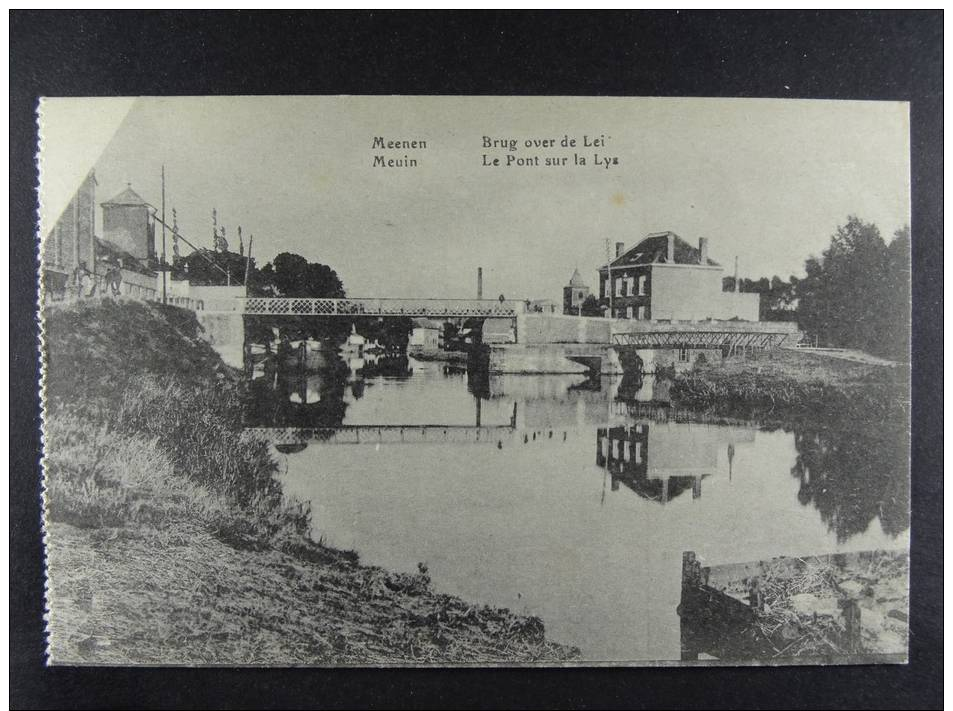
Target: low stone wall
<point>552,328</point>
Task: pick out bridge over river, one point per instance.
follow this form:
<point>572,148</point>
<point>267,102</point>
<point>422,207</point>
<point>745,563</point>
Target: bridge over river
<point>417,308</point>
<point>519,342</point>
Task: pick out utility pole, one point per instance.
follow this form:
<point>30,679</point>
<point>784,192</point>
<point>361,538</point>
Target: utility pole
<point>609,278</point>
<point>251,238</point>
<point>164,299</point>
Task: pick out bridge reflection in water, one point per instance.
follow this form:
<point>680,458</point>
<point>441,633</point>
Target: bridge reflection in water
<point>495,503</point>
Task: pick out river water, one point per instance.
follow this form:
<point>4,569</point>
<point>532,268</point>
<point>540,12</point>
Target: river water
<point>568,498</point>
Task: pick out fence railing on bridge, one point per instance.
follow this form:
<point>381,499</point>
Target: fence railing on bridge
<point>707,334</point>
<point>427,308</point>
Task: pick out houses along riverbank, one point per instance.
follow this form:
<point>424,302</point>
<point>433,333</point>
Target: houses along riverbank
<point>169,539</point>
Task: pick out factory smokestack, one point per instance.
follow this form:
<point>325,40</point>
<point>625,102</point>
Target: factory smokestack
<point>619,249</point>
<point>479,282</point>
<point>703,250</point>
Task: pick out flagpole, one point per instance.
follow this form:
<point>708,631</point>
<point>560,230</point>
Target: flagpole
<point>164,299</point>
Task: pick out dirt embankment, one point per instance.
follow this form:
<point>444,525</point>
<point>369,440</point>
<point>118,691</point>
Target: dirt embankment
<point>169,540</point>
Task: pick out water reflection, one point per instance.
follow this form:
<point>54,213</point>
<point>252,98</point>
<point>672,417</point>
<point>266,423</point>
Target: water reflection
<point>493,481</point>
<point>854,476</point>
<point>851,476</point>
<point>637,387</point>
<point>661,462</point>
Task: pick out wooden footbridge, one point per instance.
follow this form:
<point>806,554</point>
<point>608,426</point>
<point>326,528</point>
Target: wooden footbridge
<point>728,335</point>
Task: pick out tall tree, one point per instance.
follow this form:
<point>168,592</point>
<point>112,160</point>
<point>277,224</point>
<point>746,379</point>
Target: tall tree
<point>897,299</point>
<point>591,307</point>
<point>854,295</point>
<point>294,276</point>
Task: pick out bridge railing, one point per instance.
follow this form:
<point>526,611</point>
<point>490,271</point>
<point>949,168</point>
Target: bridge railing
<point>282,306</point>
<point>700,339</point>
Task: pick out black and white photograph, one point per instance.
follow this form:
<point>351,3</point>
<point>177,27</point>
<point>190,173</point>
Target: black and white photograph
<point>444,381</point>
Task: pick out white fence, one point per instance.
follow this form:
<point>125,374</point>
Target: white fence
<point>436,308</point>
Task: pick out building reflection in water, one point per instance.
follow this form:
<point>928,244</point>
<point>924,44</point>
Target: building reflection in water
<point>638,388</point>
<point>660,462</point>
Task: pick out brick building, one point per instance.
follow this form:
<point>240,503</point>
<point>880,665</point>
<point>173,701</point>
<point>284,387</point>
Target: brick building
<point>664,278</point>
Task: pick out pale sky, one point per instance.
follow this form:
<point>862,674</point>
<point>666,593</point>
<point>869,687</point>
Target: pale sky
<point>766,180</point>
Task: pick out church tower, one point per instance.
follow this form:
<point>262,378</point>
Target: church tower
<point>574,294</point>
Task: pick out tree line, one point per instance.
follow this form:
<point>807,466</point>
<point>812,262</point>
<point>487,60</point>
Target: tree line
<point>855,295</point>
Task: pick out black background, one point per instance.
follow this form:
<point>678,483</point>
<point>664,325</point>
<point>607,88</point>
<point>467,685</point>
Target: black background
<point>845,55</point>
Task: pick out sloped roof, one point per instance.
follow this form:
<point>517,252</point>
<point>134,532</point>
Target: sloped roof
<point>576,279</point>
<point>127,197</point>
<point>654,248</point>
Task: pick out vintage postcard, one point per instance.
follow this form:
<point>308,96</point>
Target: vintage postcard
<point>355,380</point>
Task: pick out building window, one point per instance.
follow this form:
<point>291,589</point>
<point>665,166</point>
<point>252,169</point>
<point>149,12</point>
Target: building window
<point>608,288</point>
<point>641,313</point>
<point>628,312</point>
<point>618,287</point>
<point>630,285</point>
<point>682,355</point>
<point>642,285</point>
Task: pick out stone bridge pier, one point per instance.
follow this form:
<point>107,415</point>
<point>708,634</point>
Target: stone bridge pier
<point>549,344</point>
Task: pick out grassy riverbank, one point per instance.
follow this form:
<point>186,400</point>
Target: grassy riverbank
<point>169,539</point>
<point>789,384</point>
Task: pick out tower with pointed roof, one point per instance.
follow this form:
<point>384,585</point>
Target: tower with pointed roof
<point>574,294</point>
<point>128,224</point>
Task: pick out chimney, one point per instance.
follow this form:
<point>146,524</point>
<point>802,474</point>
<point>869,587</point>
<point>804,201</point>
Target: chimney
<point>619,249</point>
<point>670,257</point>
<point>703,250</point>
<point>479,282</point>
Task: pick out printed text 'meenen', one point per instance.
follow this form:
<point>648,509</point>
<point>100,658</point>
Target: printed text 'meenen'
<point>405,161</point>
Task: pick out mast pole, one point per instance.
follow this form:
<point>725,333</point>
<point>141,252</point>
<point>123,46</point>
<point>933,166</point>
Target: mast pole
<point>164,298</point>
<point>251,239</point>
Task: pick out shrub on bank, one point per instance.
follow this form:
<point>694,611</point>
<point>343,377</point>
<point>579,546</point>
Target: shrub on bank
<point>143,426</point>
<point>792,385</point>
